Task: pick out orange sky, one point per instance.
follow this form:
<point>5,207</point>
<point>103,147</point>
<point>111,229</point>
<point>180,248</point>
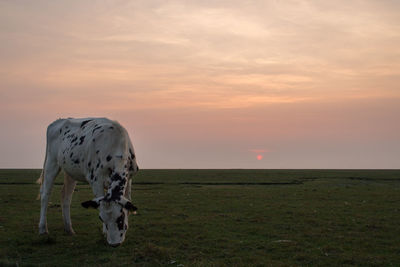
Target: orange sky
<point>207,84</point>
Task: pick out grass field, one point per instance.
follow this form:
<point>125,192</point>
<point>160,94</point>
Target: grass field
<point>215,218</point>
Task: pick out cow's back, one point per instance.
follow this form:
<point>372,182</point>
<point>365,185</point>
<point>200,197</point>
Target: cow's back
<point>84,146</point>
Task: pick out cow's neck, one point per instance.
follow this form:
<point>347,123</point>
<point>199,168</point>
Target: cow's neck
<point>118,183</point>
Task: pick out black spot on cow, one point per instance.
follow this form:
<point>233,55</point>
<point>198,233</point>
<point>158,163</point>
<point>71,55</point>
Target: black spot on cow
<point>94,140</point>
<point>97,152</point>
<point>111,127</point>
<point>116,177</point>
<point>118,184</point>
<point>81,140</point>
<point>73,140</point>
<point>76,161</point>
<point>84,122</point>
<point>70,155</point>
<point>108,158</point>
<point>131,153</point>
<point>116,193</point>
<point>60,131</point>
<point>120,221</point>
<point>95,129</point>
<point>89,164</point>
<point>102,131</point>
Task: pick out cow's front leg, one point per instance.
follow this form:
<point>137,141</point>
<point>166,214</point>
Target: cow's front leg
<point>98,191</point>
<point>104,229</point>
<point>66,197</point>
<point>51,170</point>
<point>127,193</point>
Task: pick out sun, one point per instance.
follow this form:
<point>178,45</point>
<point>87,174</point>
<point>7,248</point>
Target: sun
<point>259,157</point>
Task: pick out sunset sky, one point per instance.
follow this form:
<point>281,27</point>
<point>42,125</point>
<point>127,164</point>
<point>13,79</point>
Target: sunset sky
<point>207,84</point>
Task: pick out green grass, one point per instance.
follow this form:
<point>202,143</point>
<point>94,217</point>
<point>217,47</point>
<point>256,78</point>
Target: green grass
<point>215,218</point>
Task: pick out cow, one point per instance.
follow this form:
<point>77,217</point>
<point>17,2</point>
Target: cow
<point>97,151</point>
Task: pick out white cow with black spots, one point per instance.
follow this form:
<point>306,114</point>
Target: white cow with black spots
<point>97,151</point>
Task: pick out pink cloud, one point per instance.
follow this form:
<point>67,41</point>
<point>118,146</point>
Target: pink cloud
<point>258,150</point>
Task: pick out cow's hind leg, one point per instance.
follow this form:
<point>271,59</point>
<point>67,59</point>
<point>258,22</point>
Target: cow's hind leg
<point>66,196</point>
<point>51,170</point>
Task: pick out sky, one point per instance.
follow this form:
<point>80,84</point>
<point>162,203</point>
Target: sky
<point>207,84</point>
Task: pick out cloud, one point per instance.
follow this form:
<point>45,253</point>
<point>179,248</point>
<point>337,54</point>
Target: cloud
<point>258,151</point>
<point>221,71</point>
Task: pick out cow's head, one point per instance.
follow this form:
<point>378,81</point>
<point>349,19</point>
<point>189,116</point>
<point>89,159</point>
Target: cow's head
<point>114,215</point>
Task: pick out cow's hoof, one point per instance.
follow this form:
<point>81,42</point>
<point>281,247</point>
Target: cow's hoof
<point>69,232</point>
<point>43,230</point>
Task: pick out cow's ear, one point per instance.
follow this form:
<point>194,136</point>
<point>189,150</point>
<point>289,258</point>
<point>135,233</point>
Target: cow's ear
<point>130,207</point>
<point>94,203</point>
<point>124,202</point>
<point>90,204</point>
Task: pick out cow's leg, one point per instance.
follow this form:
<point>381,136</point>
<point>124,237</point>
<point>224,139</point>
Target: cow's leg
<point>98,191</point>
<point>66,196</point>
<point>128,189</point>
<point>97,187</point>
<point>51,170</point>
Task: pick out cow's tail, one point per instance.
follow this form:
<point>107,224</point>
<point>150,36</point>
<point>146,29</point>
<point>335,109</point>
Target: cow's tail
<point>40,182</point>
<point>41,178</point>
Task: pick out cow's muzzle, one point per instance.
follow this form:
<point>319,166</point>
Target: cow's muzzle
<point>115,245</point>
